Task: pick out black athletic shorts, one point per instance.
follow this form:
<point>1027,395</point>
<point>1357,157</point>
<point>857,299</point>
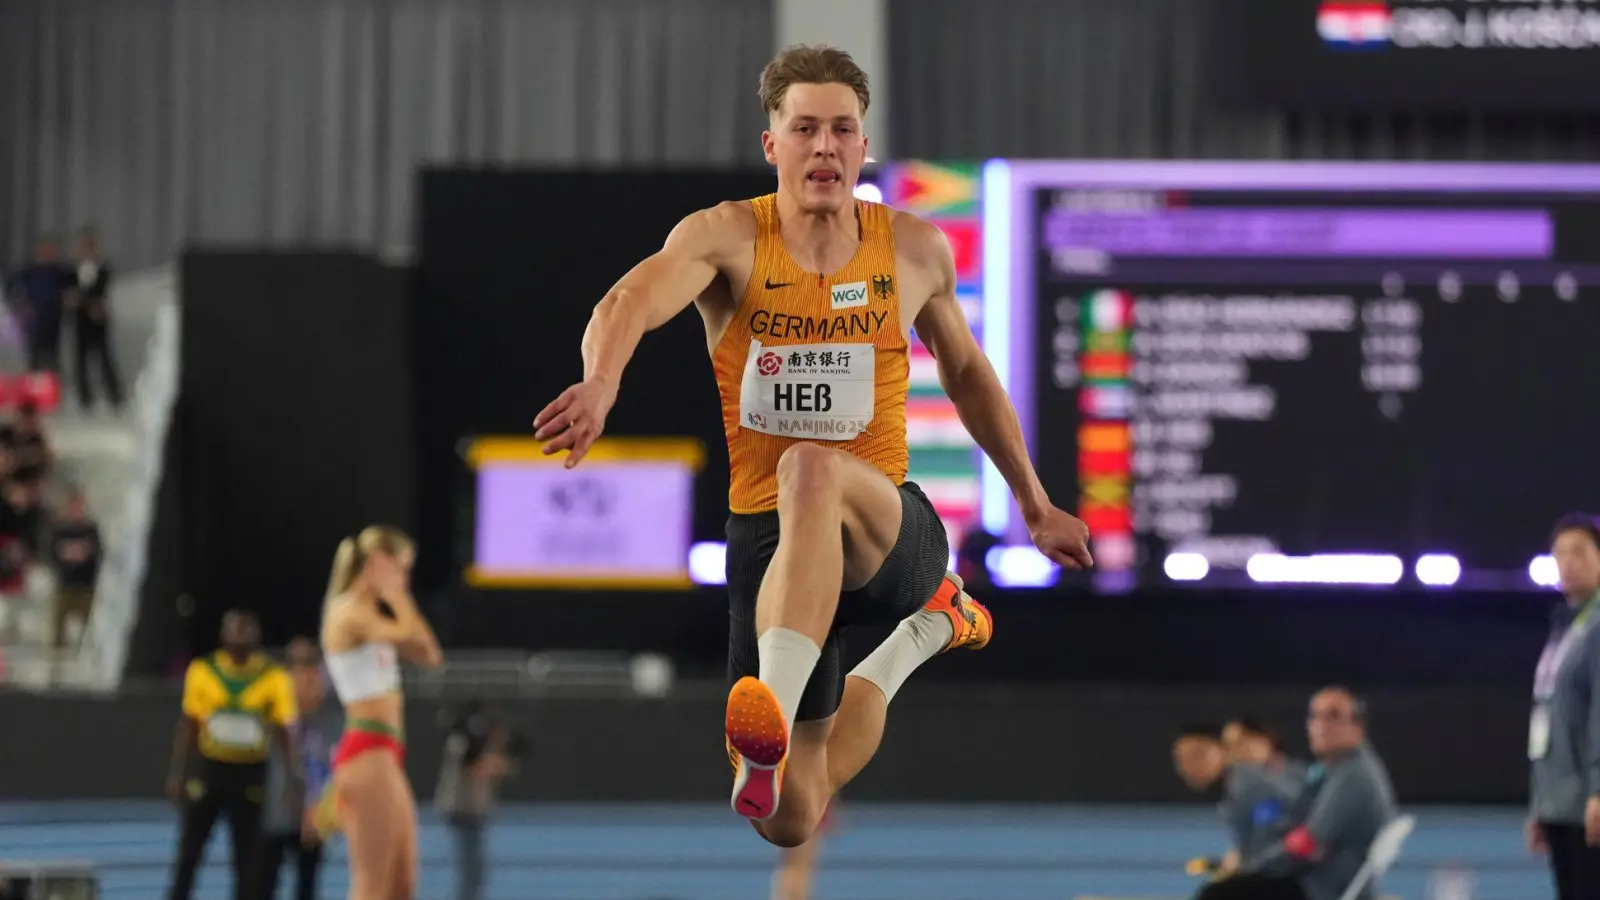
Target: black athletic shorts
<point>908,579</point>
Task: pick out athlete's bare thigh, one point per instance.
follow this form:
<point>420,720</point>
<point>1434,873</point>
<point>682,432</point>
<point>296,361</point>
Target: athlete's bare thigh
<point>869,503</point>
<point>374,818</point>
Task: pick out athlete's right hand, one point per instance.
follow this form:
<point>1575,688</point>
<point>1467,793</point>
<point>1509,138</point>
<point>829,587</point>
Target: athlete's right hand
<point>574,420</point>
<point>1534,835</point>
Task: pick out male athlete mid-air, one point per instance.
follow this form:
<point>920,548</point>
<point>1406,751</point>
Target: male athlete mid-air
<point>808,297</point>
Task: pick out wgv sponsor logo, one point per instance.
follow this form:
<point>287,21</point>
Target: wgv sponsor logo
<point>850,295</point>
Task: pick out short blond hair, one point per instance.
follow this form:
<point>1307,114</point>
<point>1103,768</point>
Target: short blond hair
<point>812,64</point>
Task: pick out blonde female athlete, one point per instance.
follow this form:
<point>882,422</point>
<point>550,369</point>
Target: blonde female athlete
<point>371,622</point>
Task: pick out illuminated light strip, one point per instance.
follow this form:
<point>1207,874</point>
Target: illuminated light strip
<point>1437,569</point>
<point>997,337</point>
<point>1186,566</point>
<point>1543,572</point>
<point>708,563</point>
<point>1325,568</point>
<point>1020,567</point>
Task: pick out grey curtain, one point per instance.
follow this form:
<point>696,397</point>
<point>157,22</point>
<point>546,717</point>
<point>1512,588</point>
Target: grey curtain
<point>305,121</point>
<point>974,79</point>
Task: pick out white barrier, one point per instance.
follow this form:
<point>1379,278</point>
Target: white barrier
<point>104,649</point>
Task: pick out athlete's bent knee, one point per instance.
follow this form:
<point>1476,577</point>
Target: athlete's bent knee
<point>807,470</point>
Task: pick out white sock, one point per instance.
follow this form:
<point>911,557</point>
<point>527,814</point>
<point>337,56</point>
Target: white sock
<point>787,660</point>
<point>918,638</point>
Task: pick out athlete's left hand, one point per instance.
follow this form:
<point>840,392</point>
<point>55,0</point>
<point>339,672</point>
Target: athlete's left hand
<point>1062,537</point>
<point>574,420</point>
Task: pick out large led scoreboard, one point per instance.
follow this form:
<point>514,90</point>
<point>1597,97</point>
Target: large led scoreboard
<point>1267,373</point>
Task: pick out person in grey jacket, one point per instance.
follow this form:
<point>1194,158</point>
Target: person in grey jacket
<point>1564,728</point>
<point>1253,789</point>
<point>1323,839</point>
<point>286,826</point>
<point>477,757</point>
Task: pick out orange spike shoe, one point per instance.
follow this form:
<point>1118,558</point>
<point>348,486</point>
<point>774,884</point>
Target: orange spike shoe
<point>758,747</point>
<point>970,621</point>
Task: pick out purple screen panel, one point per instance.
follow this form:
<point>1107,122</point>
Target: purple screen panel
<point>613,519</point>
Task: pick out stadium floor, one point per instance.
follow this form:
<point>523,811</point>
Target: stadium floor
<point>881,852</point>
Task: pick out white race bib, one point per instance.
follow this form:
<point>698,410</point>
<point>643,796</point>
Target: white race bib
<point>1539,733</point>
<point>237,730</point>
<point>824,392</point>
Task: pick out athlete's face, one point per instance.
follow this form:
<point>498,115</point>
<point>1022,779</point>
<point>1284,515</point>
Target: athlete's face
<point>391,572</point>
<point>1578,562</point>
<point>815,140</point>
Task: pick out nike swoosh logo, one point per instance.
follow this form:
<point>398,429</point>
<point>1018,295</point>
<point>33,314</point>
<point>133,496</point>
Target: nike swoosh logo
<point>783,284</point>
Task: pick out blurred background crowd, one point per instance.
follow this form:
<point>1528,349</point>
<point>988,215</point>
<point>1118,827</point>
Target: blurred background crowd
<point>1294,299</point>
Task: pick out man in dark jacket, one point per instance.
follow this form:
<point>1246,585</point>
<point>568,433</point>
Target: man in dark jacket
<point>1564,728</point>
<point>92,322</point>
<point>41,292</point>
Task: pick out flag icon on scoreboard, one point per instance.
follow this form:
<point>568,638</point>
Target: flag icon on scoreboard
<point>1106,342</point>
<point>1104,437</point>
<point>1110,311</point>
<point>932,190</point>
<point>1092,464</point>
<point>1109,491</point>
<point>1354,24</point>
<point>1103,519</point>
<point>1106,401</point>
<point>1101,366</point>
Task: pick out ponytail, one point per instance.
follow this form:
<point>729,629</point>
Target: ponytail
<point>344,570</point>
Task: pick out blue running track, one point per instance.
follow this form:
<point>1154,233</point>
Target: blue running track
<point>881,852</point>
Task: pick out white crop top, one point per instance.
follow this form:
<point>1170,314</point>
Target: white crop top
<point>364,672</point>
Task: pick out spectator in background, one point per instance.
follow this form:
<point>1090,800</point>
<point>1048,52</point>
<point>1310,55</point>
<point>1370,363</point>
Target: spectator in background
<point>287,824</point>
<point>477,757</point>
<point>75,554</point>
<point>236,704</point>
<point>92,324</point>
<point>32,457</point>
<point>13,585</point>
<point>1328,829</point>
<point>41,291</point>
<point>1248,739</point>
<point>1251,798</point>
<point>21,516</point>
<point>1564,728</point>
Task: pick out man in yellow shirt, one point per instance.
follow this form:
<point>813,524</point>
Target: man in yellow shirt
<point>235,702</point>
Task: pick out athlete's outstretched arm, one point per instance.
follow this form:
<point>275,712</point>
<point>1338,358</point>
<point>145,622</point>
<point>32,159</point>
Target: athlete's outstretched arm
<point>981,401</point>
<point>646,298</point>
